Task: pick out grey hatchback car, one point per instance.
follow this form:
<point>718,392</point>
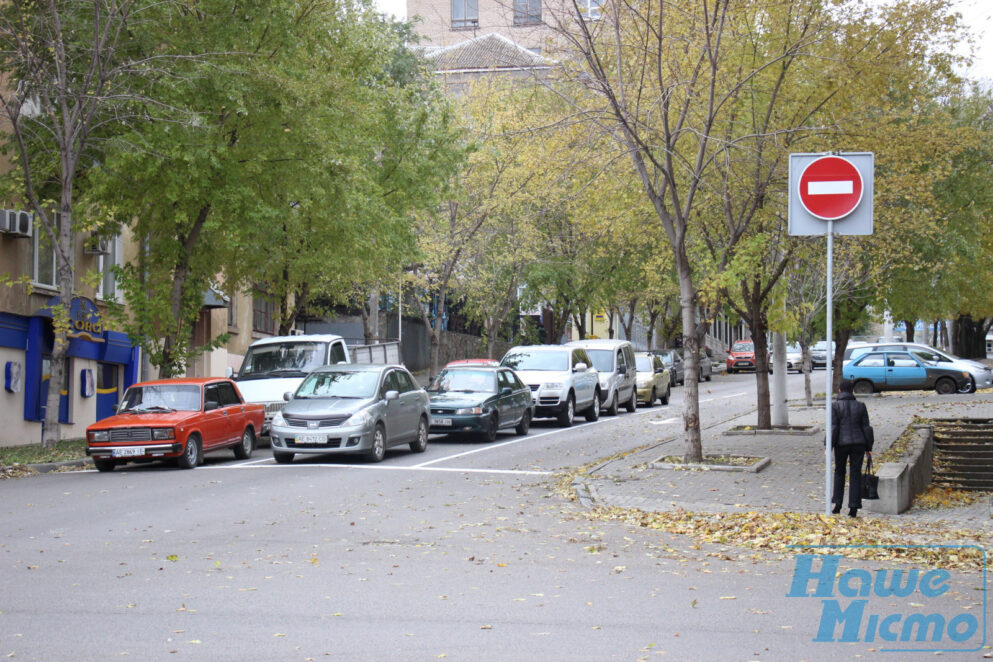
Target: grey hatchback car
<point>352,409</point>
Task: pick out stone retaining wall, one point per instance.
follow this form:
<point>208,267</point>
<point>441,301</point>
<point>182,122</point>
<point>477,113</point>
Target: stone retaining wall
<point>900,482</point>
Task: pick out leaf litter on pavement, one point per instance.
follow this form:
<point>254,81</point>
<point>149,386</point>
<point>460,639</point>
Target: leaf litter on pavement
<point>861,538</point>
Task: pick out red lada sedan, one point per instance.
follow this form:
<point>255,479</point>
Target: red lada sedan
<point>177,419</point>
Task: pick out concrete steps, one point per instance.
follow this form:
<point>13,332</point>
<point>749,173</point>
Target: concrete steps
<point>963,454</point>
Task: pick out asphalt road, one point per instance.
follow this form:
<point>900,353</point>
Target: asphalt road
<point>465,552</point>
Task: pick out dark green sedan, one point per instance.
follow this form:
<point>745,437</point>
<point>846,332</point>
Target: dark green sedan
<point>480,400</point>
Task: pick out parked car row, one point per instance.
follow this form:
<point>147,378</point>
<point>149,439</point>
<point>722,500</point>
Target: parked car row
<point>362,409</point>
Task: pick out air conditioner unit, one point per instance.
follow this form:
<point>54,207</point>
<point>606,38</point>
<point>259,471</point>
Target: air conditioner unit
<point>16,222</point>
<point>296,332</point>
<point>97,245</point>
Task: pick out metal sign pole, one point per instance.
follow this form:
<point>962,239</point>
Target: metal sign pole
<point>829,369</point>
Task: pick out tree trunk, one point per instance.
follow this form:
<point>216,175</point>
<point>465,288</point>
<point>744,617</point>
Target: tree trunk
<point>691,395</point>
<point>64,248</point>
<point>841,337</point>
<point>761,344</point>
<point>909,332</point>
<point>807,366</point>
<point>653,317</point>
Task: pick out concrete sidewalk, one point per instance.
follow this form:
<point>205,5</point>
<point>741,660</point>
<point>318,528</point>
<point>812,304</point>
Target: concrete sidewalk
<point>794,481</point>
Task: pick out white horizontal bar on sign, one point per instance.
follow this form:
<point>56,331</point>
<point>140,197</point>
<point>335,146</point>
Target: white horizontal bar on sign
<point>845,187</point>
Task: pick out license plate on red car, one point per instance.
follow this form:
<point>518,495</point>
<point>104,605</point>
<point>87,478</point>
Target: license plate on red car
<point>134,451</point>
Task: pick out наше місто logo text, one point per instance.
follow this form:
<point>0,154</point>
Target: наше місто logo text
<point>905,609</point>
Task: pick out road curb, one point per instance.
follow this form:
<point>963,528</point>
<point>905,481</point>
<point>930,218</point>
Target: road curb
<point>48,467</point>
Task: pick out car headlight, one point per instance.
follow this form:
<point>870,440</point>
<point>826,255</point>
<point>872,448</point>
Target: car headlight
<point>552,385</point>
<point>469,410</point>
<point>162,433</point>
<point>277,418</point>
<point>358,418</point>
<point>604,383</point>
<point>100,435</point>
<point>642,383</point>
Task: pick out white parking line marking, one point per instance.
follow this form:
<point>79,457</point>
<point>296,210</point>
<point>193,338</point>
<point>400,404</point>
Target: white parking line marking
<point>381,467</point>
<point>667,421</point>
<point>725,397</point>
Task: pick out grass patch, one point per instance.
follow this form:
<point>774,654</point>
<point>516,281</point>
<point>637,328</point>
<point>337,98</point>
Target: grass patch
<point>67,449</point>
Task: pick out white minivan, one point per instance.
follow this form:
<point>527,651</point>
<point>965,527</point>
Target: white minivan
<point>614,361</point>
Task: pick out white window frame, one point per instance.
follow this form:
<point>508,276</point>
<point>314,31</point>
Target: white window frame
<point>104,263</point>
<point>36,236</point>
<point>591,9</point>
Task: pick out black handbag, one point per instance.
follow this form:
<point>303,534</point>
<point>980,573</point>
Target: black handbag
<point>870,482</point>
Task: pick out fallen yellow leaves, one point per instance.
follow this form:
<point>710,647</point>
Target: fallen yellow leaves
<point>935,497</point>
<point>786,532</point>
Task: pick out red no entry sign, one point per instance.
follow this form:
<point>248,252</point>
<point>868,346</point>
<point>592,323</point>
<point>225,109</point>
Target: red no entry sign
<point>830,188</point>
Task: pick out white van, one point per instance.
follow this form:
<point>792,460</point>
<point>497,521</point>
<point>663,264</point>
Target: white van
<point>614,361</point>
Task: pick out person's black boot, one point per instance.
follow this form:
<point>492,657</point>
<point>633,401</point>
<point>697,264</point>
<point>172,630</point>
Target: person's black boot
<point>853,512</point>
<point>836,509</point>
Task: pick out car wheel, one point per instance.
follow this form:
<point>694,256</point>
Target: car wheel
<point>525,425</point>
<point>970,386</point>
<point>672,381</point>
<point>613,406</point>
<point>593,411</point>
<point>420,444</point>
<point>567,415</point>
<point>632,404</point>
<point>104,465</point>
<point>492,425</point>
<point>243,451</point>
<point>863,387</point>
<point>945,386</point>
<point>378,450</point>
<point>283,458</point>
<point>709,376</point>
<point>666,396</point>
<point>651,398</point>
<point>191,454</point>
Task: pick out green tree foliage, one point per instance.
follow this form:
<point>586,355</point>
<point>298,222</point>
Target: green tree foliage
<point>294,155</point>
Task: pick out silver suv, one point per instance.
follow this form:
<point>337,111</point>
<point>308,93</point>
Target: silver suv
<point>561,378</point>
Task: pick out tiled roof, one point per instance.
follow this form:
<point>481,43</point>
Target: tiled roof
<point>490,51</point>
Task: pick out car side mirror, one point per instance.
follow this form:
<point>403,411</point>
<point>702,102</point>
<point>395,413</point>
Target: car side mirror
<point>229,372</point>
<point>506,390</point>
<point>391,395</point>
<point>623,370</point>
<point>288,396</point>
<point>211,405</point>
<point>580,367</point>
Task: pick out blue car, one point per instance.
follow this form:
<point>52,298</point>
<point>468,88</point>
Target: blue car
<point>902,371</point>
<point>480,400</point>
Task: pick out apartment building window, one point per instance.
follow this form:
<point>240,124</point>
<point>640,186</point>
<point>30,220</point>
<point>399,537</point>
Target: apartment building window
<point>233,311</point>
<point>42,257</point>
<point>263,315</point>
<point>527,12</point>
<point>465,14</point>
<point>590,9</point>
<point>107,289</point>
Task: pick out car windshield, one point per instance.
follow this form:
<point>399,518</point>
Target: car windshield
<point>643,364</point>
<point>287,359</point>
<point>466,381</point>
<point>161,397</point>
<point>929,357</point>
<point>742,347</point>
<point>525,360</point>
<point>603,359</point>
<point>339,384</point>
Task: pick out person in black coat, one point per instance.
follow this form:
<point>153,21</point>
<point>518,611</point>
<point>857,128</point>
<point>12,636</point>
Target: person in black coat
<point>851,439</point>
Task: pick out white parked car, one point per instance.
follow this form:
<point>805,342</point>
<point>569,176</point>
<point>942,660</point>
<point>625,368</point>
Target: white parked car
<point>562,379</point>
